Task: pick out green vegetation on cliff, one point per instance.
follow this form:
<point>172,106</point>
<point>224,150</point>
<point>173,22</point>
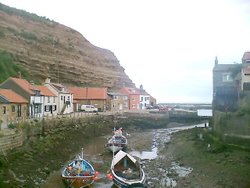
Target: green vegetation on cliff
<point>8,68</point>
<point>24,14</point>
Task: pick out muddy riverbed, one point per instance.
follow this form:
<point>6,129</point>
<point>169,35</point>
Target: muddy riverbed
<point>161,169</point>
<point>170,157</point>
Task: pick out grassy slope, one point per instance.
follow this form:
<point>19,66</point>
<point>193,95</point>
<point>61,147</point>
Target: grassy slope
<point>219,166</point>
<point>8,68</point>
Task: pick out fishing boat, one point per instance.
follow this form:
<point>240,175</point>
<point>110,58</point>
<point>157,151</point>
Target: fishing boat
<point>117,142</point>
<point>126,171</point>
<point>79,173</point>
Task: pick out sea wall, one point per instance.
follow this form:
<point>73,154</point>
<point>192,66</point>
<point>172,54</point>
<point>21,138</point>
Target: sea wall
<point>89,126</point>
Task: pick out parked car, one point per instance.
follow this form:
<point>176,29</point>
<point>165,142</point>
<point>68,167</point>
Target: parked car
<point>88,108</point>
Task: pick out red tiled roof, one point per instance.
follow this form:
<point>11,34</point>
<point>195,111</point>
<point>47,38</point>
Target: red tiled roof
<point>30,87</point>
<point>81,93</point>
<point>130,91</point>
<point>23,84</point>
<point>78,92</point>
<point>60,88</point>
<point>45,91</point>
<point>12,96</point>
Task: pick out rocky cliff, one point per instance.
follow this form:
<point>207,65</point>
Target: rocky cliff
<point>48,49</point>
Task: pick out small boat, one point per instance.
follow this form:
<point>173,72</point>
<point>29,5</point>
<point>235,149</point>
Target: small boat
<point>79,173</point>
<point>117,142</point>
<point>126,171</point>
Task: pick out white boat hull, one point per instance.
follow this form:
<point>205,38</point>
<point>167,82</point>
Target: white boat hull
<point>126,171</point>
<point>114,148</point>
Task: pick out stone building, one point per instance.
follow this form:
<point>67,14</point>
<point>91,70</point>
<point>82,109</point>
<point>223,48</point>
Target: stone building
<point>226,82</point>
<point>13,108</point>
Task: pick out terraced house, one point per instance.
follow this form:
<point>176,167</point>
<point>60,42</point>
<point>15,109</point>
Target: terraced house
<point>117,102</point>
<point>89,96</point>
<point>28,91</point>
<point>13,108</point>
<point>64,98</point>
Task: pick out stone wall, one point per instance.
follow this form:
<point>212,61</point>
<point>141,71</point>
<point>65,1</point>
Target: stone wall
<point>230,124</point>
<point>11,141</point>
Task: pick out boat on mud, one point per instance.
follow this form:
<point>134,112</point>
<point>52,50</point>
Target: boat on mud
<point>117,142</point>
<point>79,173</point>
<point>126,171</point>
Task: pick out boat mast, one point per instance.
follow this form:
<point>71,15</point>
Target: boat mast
<point>82,153</point>
<point>113,150</point>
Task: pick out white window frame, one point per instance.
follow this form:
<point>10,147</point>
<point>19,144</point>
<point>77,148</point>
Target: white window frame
<point>227,77</point>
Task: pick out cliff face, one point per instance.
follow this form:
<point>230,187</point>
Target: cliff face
<point>48,49</point>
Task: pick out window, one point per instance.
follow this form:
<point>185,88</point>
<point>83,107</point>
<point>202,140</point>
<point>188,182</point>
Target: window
<point>13,109</point>
<point>54,108</point>
<point>48,99</point>
<point>54,99</point>
<point>133,106</point>
<point>133,98</point>
<point>19,110</point>
<point>4,109</point>
<point>227,77</point>
<point>141,98</point>
<point>115,97</point>
<point>37,92</point>
<point>37,108</point>
<point>47,108</point>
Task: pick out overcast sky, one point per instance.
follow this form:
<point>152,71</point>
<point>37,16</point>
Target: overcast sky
<point>168,46</point>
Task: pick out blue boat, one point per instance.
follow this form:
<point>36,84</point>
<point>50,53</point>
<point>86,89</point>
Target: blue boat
<point>79,173</point>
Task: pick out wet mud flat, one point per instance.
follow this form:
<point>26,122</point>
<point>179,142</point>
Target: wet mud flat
<point>181,157</point>
<point>187,161</point>
<point>169,159</point>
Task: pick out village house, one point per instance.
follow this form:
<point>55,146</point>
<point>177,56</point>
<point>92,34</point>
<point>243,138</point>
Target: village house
<point>49,101</point>
<point>13,108</point>
<point>226,81</point>
<point>89,96</point>
<point>152,101</point>
<point>139,99</point>
<point>117,102</point>
<point>245,72</point>
<point>64,100</point>
<point>144,98</point>
<point>133,96</point>
<point>28,91</point>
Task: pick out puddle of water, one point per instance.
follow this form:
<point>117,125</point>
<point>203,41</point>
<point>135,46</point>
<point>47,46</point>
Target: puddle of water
<point>161,136</point>
<point>96,154</point>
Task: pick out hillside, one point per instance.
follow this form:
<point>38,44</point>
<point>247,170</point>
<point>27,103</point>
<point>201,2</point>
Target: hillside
<point>45,48</point>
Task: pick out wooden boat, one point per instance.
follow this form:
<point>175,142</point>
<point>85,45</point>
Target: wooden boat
<point>117,142</point>
<point>126,171</point>
<point>79,173</point>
